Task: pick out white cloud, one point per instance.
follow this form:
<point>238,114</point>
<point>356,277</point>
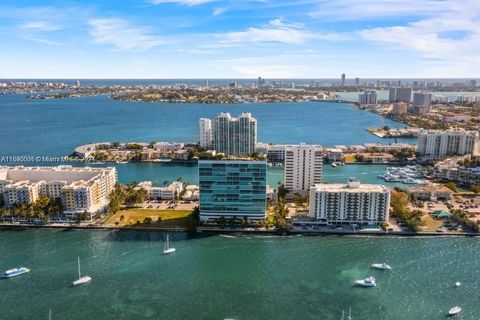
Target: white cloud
<point>183,2</point>
<point>219,11</point>
<point>348,10</point>
<point>40,26</point>
<point>122,35</point>
<point>278,31</point>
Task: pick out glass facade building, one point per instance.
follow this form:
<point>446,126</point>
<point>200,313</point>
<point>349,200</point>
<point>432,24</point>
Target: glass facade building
<point>232,188</point>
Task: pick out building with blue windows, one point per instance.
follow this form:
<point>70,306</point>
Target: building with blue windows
<point>232,188</point>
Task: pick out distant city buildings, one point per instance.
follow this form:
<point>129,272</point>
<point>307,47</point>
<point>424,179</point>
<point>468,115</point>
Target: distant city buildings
<point>400,94</point>
<point>232,188</point>
<point>205,126</point>
<point>368,97</point>
<point>303,167</point>
<point>357,82</point>
<point>342,80</point>
<point>349,203</point>
<point>422,102</point>
<point>79,189</point>
<point>435,144</point>
<point>234,136</point>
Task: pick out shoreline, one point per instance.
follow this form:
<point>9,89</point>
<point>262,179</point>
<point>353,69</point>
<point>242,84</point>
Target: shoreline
<point>203,230</point>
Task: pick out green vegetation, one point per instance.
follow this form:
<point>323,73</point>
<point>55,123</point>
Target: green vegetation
<point>40,209</point>
<point>281,192</point>
<point>402,154</point>
<point>133,146</point>
<point>300,201</point>
<point>452,186</point>
<point>399,202</point>
<point>475,188</point>
<point>462,219</point>
<point>127,195</point>
<point>430,224</point>
<point>278,218</point>
<point>154,218</point>
<point>209,156</point>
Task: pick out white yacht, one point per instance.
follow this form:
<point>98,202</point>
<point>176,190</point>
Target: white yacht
<point>367,282</point>
<point>381,266</point>
<point>458,284</point>
<point>167,249</point>
<point>81,280</point>
<point>333,164</point>
<point>15,272</point>
<point>454,311</point>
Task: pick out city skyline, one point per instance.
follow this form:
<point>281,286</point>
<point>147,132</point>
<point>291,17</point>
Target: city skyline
<point>240,39</point>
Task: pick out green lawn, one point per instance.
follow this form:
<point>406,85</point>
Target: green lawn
<point>430,224</point>
<point>136,217</point>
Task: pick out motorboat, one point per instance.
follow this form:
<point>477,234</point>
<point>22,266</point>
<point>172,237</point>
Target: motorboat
<point>167,249</point>
<point>458,284</point>
<point>81,280</point>
<point>333,164</point>
<point>367,282</point>
<point>454,311</point>
<point>15,272</point>
<point>381,266</point>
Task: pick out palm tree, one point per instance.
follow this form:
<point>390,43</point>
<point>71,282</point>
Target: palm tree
<point>246,222</point>
<point>222,221</point>
<point>3,213</point>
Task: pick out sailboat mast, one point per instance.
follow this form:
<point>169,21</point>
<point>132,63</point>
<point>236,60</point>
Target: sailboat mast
<point>79,274</point>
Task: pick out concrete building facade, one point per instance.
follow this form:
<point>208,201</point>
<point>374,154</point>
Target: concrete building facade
<point>234,136</point>
<point>303,167</point>
<point>349,203</point>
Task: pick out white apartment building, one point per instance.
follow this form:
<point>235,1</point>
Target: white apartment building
<point>162,193</point>
<point>436,144</point>
<point>80,189</point>
<point>400,94</point>
<point>168,146</point>
<point>234,136</point>
<point>349,203</point>
<point>205,133</point>
<point>303,167</point>
<point>422,99</point>
<point>368,97</point>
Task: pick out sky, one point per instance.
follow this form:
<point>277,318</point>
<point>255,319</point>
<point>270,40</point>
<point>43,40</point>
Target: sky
<point>239,38</point>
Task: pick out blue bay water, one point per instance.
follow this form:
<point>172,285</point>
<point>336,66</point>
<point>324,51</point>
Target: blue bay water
<point>246,277</point>
<point>217,277</point>
<point>56,127</point>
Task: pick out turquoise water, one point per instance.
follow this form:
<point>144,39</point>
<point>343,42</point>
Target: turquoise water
<point>56,127</point>
<point>161,172</point>
<point>217,277</point>
<point>247,277</point>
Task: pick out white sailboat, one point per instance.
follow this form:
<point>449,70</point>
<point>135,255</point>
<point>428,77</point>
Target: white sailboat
<point>167,249</point>
<point>81,280</point>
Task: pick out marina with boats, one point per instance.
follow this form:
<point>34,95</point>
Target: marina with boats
<point>411,174</point>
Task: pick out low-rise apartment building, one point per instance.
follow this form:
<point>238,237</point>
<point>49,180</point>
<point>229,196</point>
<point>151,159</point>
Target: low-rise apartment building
<point>79,189</point>
<point>170,192</point>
